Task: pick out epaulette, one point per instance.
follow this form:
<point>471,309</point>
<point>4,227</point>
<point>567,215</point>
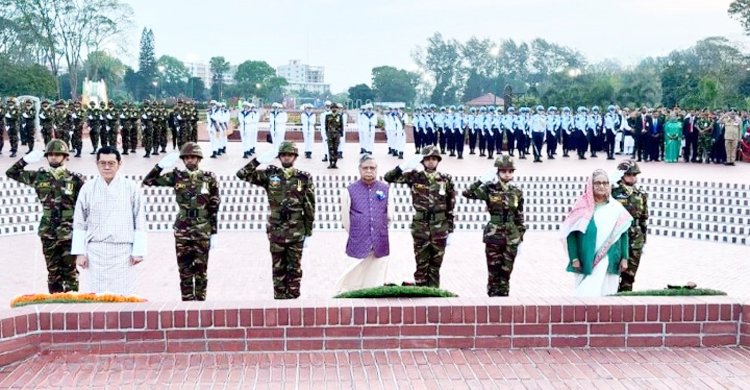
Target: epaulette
<point>304,173</point>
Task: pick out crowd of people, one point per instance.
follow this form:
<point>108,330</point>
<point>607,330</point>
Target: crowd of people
<point>96,228</point>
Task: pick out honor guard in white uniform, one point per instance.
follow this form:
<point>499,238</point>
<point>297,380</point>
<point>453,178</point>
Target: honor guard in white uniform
<point>323,136</point>
<point>417,128</point>
<point>611,127</point>
<point>307,118</point>
<point>538,126</point>
<point>506,125</point>
<point>213,116</point>
<point>553,132</point>
<point>566,131</point>
<point>400,121</point>
<point>248,125</point>
<point>224,120</point>
<point>277,119</point>
<point>370,127</point>
<point>479,129</point>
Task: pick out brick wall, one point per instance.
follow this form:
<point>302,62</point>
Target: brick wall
<point>374,324</point>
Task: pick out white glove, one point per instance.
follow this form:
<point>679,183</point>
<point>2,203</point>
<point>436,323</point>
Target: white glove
<point>91,117</point>
<point>33,156</point>
<point>109,117</point>
<point>213,242</point>
<point>306,243</point>
<point>412,163</point>
<point>267,156</point>
<point>122,116</point>
<point>25,115</point>
<point>449,240</point>
<point>489,176</point>
<point>168,160</point>
<point>144,116</point>
<point>74,116</point>
<point>518,249</point>
<point>179,117</point>
<point>41,116</point>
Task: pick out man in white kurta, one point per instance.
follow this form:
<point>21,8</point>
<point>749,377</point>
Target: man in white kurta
<point>109,230</point>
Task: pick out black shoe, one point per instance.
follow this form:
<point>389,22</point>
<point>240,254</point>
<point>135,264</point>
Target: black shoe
<point>308,155</point>
<point>325,158</point>
<point>12,153</point>
<point>452,154</point>
<point>147,155</point>
<point>214,154</point>
<point>460,156</point>
<point>550,157</point>
<point>537,160</point>
<point>341,156</point>
<point>565,155</point>
<point>400,155</point>
<point>471,152</point>
<point>581,157</point>
<point>94,152</point>
<point>593,155</point>
<point>132,150</point>
<point>361,150</point>
<point>481,154</point>
<point>124,153</point>
<point>522,157</point>
<point>244,155</point>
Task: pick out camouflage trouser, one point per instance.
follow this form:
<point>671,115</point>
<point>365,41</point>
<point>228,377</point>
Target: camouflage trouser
<point>194,132</point>
<point>287,269</point>
<point>46,133</point>
<point>61,266</point>
<point>2,134</point>
<point>637,241</point>
<point>94,136</point>
<point>500,259</point>
<point>192,261</point>
<point>77,141</point>
<point>12,129</point>
<point>63,134</point>
<point>162,130</point>
<point>334,138</point>
<point>705,144</point>
<point>183,134</point>
<point>429,257</point>
<point>125,135</point>
<point>148,133</point>
<point>29,131</point>
<point>114,130</point>
<point>133,136</point>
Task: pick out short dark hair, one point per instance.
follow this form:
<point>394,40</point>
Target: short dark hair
<point>108,150</point>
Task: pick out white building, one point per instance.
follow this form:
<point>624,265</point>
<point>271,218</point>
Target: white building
<point>303,77</point>
<point>203,70</point>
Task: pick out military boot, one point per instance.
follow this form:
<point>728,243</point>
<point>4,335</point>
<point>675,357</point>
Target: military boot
<point>400,155</point>
<point>308,155</point>
<point>148,153</point>
<point>325,158</point>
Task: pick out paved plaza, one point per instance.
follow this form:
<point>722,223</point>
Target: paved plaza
<point>240,270</point>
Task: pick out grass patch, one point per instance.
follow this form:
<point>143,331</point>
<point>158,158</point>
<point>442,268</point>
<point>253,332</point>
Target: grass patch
<point>672,292</point>
<point>397,292</point>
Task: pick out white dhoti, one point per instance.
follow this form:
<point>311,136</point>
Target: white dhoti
<point>369,272</point>
<point>109,269</point>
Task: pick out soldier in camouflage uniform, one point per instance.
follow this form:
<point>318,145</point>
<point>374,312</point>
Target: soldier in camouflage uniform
<point>62,122</point>
<point>76,121</point>
<point>94,123</point>
<point>291,197</point>
<point>705,137</point>
<point>2,126</point>
<point>147,121</point>
<point>334,131</point>
<point>433,197</point>
<point>126,127</point>
<point>112,117</point>
<point>635,200</point>
<point>503,234</point>
<point>12,115</point>
<point>195,228</point>
<point>47,121</point>
<point>160,128</point>
<point>28,125</point>
<point>193,122</point>
<point>57,189</point>
<point>133,116</point>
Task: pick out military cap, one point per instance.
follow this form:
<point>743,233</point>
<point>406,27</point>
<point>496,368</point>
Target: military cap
<point>483,109</point>
<point>45,101</point>
<point>212,102</point>
<point>425,107</point>
<point>247,104</point>
<point>102,103</point>
<point>334,105</point>
<point>491,108</point>
<point>432,106</point>
<point>539,108</point>
<point>252,105</point>
<point>431,151</point>
<point>111,103</point>
<point>452,108</point>
<point>629,167</point>
<point>499,109</point>
<point>442,108</point>
<point>611,107</point>
<point>551,109</point>
<point>191,149</point>
<point>11,98</point>
<point>60,102</point>
<point>472,109</point>
<point>511,109</point>
<point>327,103</point>
<point>287,147</point>
<point>566,109</point>
<point>92,103</point>
<point>56,146</point>
<point>180,101</point>
<point>461,107</point>
<point>504,162</point>
<point>595,108</point>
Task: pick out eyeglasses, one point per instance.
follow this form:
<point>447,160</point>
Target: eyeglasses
<point>109,164</point>
<point>601,183</point>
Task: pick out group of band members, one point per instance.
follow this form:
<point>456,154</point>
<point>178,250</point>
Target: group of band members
<point>151,122</point>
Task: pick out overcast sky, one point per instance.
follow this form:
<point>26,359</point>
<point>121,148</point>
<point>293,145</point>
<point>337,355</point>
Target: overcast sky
<point>349,38</point>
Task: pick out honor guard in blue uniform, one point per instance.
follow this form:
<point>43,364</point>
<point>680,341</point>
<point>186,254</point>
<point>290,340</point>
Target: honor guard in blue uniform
<point>580,122</point>
<point>459,131</point>
<point>553,132</point>
<point>566,131</point>
<point>479,127</point>
<point>611,126</point>
<point>470,121</point>
<point>594,131</point>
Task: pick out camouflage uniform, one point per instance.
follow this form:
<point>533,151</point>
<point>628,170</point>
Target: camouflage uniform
<point>62,122</point>
<point>505,230</point>
<point>193,115</point>
<point>433,197</point>
<point>11,117</point>
<point>28,127</point>
<point>291,197</point>
<point>126,127</point>
<point>334,130</point>
<point>147,121</point>
<point>197,194</point>
<point>94,125</point>
<point>635,200</point>
<point>47,121</point>
<point>57,190</point>
<point>112,116</point>
<point>160,129</point>
<point>705,139</point>
<point>76,120</point>
<point>2,126</point>
<point>133,116</point>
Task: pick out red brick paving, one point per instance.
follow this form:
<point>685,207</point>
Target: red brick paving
<point>706,368</point>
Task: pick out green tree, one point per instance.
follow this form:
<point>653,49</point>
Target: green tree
<point>740,10</point>
<point>394,85</point>
<point>173,75</point>
<point>361,92</point>
<point>441,60</point>
<point>101,66</point>
<point>196,89</point>
<point>256,78</point>
<point>146,64</point>
<point>19,79</point>
<point>219,67</point>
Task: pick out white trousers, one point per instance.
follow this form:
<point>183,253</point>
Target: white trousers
<point>308,134</point>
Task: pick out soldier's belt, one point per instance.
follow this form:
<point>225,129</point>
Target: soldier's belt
<point>500,219</point>
<point>429,216</point>
<point>193,213</point>
<point>57,214</point>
